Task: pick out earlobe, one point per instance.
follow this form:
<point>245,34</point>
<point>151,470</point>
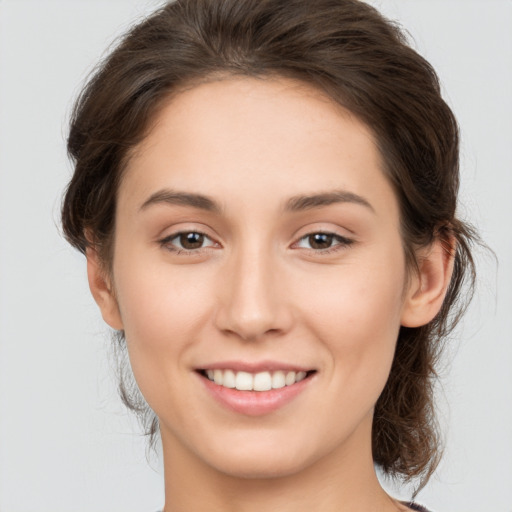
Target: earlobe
<point>427,288</point>
<point>102,290</point>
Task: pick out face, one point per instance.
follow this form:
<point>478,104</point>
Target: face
<point>259,276</point>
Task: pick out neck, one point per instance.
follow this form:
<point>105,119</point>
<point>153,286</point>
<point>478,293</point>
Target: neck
<point>337,482</point>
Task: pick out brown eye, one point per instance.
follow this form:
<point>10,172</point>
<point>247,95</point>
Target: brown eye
<point>191,240</point>
<point>187,241</point>
<point>320,240</point>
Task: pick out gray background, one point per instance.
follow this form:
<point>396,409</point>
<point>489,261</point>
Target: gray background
<point>66,443</point>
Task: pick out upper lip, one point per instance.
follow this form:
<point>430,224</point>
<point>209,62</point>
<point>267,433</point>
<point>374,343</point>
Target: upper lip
<point>255,366</point>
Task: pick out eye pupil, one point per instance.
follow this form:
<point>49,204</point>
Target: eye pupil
<point>191,240</point>
<point>320,240</point>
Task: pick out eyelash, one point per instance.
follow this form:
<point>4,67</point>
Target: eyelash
<point>342,243</point>
<point>166,242</point>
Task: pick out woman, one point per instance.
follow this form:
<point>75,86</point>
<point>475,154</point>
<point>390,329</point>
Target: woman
<point>265,192</point>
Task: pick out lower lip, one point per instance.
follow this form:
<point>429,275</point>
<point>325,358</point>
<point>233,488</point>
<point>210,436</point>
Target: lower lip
<point>254,403</point>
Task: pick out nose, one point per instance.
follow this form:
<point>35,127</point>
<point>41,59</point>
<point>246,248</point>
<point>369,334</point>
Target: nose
<point>253,299</point>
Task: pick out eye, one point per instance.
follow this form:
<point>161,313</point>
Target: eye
<point>323,241</point>
<point>187,241</point>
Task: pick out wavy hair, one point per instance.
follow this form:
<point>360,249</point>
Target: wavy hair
<point>363,61</point>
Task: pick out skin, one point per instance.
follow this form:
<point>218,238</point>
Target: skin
<point>259,290</point>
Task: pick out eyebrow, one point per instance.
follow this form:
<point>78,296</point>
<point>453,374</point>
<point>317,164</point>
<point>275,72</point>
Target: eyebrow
<point>167,196</point>
<point>294,204</point>
<point>307,202</point>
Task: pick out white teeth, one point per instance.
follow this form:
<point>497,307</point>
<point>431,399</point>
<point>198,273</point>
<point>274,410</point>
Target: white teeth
<point>218,377</point>
<point>290,378</point>
<point>229,379</point>
<point>243,381</point>
<point>278,380</point>
<point>262,381</point>
<point>300,376</point>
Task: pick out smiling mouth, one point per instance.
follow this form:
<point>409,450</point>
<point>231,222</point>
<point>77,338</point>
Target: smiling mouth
<point>261,381</point>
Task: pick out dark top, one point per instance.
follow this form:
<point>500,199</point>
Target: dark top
<point>417,507</point>
<point>412,505</point>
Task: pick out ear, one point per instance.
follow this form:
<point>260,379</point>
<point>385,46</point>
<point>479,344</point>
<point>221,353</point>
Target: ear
<point>427,288</point>
<point>102,290</point>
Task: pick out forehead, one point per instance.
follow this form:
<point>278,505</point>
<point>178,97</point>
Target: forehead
<point>243,137</point>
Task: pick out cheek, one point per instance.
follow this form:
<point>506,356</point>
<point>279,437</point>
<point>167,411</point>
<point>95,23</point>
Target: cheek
<point>358,300</point>
<point>162,312</point>
<point>162,316</point>
<point>356,313</point>
<point>156,299</point>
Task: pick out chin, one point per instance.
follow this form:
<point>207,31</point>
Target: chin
<point>251,469</point>
<point>272,460</point>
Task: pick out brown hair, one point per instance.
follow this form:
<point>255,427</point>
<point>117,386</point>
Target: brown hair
<point>361,60</point>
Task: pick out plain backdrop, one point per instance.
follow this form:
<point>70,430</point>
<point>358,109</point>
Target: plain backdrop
<point>66,442</point>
